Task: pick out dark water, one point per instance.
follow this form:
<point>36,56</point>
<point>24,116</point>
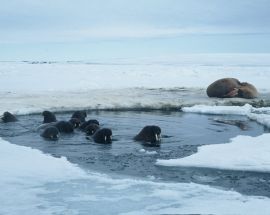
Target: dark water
<point>183,132</point>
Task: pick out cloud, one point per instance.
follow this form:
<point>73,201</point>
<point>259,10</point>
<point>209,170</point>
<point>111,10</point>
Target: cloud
<point>84,14</point>
<point>115,33</point>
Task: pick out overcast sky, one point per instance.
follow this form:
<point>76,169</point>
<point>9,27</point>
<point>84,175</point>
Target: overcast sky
<point>84,29</point>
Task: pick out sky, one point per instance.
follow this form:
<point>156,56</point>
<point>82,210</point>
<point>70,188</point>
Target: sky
<point>95,29</point>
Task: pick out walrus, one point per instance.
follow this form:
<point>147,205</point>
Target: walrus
<point>247,91</point>
<point>50,133</point>
<point>75,122</point>
<point>91,129</point>
<point>48,117</point>
<point>64,126</point>
<point>81,115</point>
<point>149,134</point>
<point>231,87</point>
<point>88,122</point>
<point>8,117</point>
<point>103,135</point>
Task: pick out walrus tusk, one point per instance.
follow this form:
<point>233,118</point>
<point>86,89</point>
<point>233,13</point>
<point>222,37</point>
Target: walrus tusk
<point>105,138</point>
<point>158,137</point>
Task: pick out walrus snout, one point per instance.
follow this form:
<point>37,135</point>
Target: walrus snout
<point>91,129</point>
<point>54,137</point>
<point>103,135</point>
<point>50,133</point>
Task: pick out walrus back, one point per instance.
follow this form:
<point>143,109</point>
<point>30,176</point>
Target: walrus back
<point>222,87</point>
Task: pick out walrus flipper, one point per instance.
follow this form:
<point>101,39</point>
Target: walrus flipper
<point>232,93</point>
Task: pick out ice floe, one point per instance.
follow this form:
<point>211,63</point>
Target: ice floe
<point>257,114</point>
<point>243,153</point>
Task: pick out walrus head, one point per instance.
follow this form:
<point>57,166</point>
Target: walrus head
<point>150,134</point>
<point>90,121</point>
<point>8,117</point>
<point>48,117</point>
<point>103,135</point>
<point>81,115</point>
<point>91,129</point>
<point>75,122</point>
<point>247,91</point>
<point>50,133</point>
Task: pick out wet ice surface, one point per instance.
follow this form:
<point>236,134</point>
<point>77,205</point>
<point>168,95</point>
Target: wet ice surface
<point>184,133</point>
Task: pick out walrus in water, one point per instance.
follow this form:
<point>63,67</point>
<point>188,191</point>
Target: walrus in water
<point>231,87</point>
<point>64,126</point>
<point>50,133</point>
<point>103,135</point>
<point>88,122</point>
<point>75,122</point>
<point>91,129</point>
<point>81,115</point>
<point>8,117</point>
<point>48,117</point>
<point>149,134</point>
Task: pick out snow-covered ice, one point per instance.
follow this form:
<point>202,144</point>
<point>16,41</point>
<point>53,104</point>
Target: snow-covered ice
<point>242,153</point>
<point>204,109</point>
<point>256,114</point>
<point>181,71</point>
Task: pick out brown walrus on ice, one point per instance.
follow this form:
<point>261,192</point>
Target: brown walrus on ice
<point>231,87</point>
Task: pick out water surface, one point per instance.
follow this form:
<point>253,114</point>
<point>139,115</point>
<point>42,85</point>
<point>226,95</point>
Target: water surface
<point>182,134</point>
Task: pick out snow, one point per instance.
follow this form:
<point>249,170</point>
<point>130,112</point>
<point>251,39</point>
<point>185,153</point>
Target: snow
<point>41,184</point>
<point>231,110</point>
<point>256,114</point>
<point>263,119</point>
<point>242,153</point>
<point>180,71</point>
<point>23,171</point>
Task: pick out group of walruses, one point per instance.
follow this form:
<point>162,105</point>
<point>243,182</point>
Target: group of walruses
<point>51,128</point>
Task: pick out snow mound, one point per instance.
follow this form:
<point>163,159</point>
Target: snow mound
<point>243,153</point>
